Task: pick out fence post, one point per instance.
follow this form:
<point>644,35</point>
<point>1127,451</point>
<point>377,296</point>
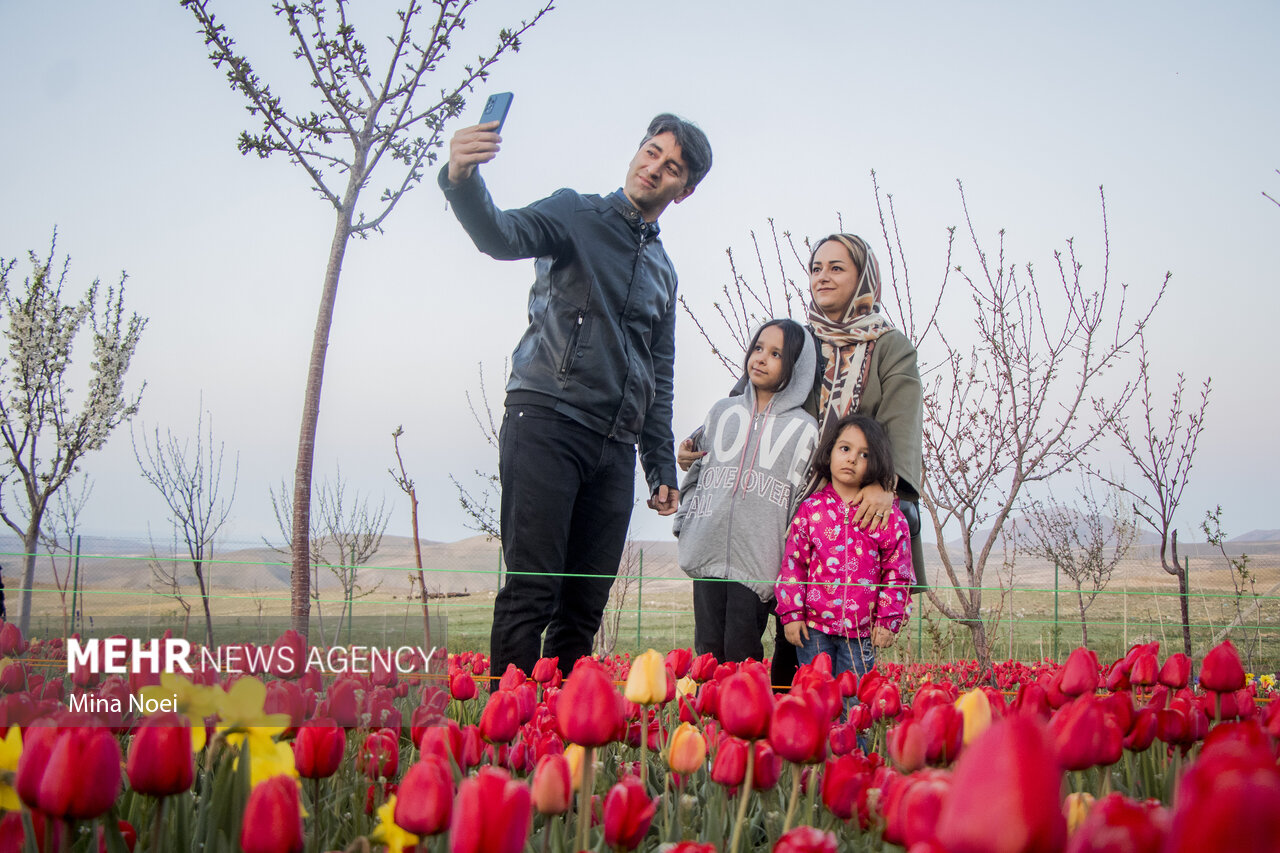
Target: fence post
<point>639,600</point>
<point>499,568</point>
<point>1186,567</point>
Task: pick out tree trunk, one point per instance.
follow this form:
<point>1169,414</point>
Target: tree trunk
<point>300,574</point>
<point>1084,628</point>
<point>204,602</point>
<point>1184,599</point>
<point>29,541</point>
<point>981,643</point>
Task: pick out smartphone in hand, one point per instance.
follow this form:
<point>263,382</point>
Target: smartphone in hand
<point>495,109</point>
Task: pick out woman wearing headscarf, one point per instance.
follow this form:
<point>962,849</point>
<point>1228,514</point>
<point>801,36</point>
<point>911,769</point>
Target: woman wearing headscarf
<point>868,366</point>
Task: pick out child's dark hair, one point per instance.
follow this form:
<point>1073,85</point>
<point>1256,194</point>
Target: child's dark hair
<point>879,451</point>
<point>793,341</point>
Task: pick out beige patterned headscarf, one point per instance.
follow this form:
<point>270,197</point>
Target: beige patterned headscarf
<point>847,344</point>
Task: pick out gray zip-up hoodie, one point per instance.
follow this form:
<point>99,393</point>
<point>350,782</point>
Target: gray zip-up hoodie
<point>736,502</point>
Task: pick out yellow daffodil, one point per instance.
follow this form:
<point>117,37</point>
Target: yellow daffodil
<point>386,832</point>
<point>267,759</point>
<point>242,715</point>
<point>193,701</point>
<point>647,681</point>
<point>10,752</point>
<point>976,710</point>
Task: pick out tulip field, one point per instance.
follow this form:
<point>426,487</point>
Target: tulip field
<point>670,752</point>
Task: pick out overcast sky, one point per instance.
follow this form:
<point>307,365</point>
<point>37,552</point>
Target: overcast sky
<point>121,134</point>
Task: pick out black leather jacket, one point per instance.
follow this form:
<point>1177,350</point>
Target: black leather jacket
<point>600,345</point>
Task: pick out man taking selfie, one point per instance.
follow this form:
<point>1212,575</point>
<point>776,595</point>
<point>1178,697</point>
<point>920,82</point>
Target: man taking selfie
<point>591,381</point>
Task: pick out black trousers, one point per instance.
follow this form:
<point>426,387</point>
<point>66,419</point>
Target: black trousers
<point>567,494</point>
<point>728,620</point>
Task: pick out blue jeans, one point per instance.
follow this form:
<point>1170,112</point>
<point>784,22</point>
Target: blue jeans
<point>847,653</point>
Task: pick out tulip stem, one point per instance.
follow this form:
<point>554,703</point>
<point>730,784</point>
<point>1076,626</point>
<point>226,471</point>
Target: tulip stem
<point>795,797</point>
<point>644,747</point>
<point>157,825</point>
<point>584,796</point>
<point>315,804</point>
<point>736,838</point>
<point>666,806</point>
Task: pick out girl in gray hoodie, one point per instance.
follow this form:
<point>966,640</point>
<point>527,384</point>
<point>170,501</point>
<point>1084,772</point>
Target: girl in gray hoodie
<point>737,500</point>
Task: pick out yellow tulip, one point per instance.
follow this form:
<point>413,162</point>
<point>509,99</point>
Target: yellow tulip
<point>686,686</point>
<point>574,753</point>
<point>10,752</point>
<point>976,710</point>
<point>647,682</point>
<point>1076,808</point>
<point>687,750</point>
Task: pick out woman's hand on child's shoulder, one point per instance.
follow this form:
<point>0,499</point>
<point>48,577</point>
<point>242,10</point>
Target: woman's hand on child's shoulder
<point>686,455</point>
<point>875,507</point>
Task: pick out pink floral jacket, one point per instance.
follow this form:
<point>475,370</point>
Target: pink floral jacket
<point>842,580</point>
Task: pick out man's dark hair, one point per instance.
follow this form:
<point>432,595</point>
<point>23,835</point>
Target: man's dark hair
<point>693,143</point>
<point>793,341</point>
<point>879,451</point>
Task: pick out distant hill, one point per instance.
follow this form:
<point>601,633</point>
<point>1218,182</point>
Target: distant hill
<point>1257,536</point>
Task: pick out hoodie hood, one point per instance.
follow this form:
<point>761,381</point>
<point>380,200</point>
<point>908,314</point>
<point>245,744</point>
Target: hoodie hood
<point>800,386</point>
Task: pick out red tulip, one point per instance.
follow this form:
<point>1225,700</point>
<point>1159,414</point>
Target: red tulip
<point>424,799</point>
<point>628,812</point>
<point>1145,670</point>
<point>806,839</point>
<point>693,847</point>
<point>729,767</point>
<point>1085,735</point>
<point>588,711</point>
<point>680,660</point>
<point>1222,670</point>
<point>908,744</point>
<point>766,767</point>
<point>1010,771</point>
<point>273,818</point>
<point>1116,823</point>
<point>1176,671</point>
<point>462,686</point>
<point>501,717</point>
<point>1142,732</point>
<point>11,642</point>
<point>1229,799</point>
<point>887,702</point>
<point>318,748</point>
<point>745,705</point>
<point>1080,672</point>
<point>160,761</point>
<point>491,814</point>
<point>912,805</point>
<point>797,729</point>
<point>703,667</point>
<point>545,669</point>
<point>843,781</point>
<point>943,726</point>
<point>552,785</point>
<point>288,655</point>
<point>81,777</point>
<point>379,755</point>
<point>512,678</point>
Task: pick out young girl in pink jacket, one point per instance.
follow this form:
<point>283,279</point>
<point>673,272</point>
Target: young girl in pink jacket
<point>842,590</point>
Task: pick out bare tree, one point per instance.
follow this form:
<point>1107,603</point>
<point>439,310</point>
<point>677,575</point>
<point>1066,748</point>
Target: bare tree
<point>481,506</point>
<point>166,577</point>
<point>406,485</point>
<point>59,538</point>
<point>44,438</point>
<point>1163,452</point>
<point>355,531</point>
<point>606,641</point>
<point>359,119</point>
<point>1272,198</point>
<point>1242,581</point>
<point>190,481</point>
<point>1084,540</point>
<point>282,508</point>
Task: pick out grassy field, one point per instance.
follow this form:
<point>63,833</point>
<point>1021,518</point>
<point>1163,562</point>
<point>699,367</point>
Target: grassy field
<point>1141,606</point>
